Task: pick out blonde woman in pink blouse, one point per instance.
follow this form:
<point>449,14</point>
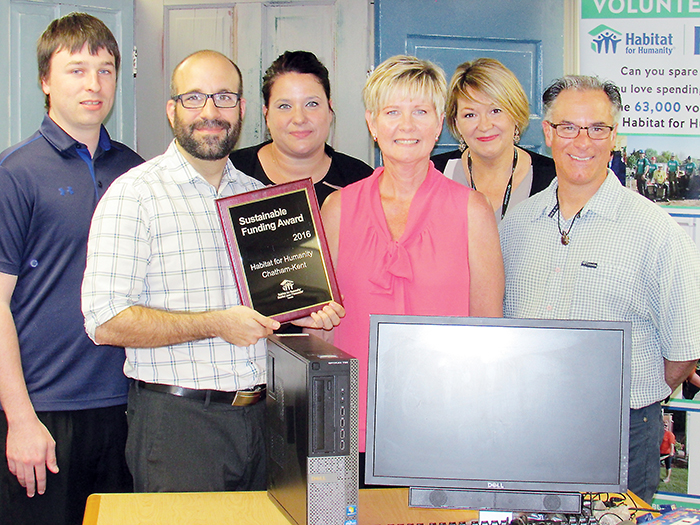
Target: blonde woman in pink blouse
<point>407,240</point>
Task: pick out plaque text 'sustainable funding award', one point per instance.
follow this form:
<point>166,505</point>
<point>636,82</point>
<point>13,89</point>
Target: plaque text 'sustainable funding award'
<point>278,250</point>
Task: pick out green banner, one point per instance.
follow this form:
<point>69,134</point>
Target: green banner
<point>640,8</point>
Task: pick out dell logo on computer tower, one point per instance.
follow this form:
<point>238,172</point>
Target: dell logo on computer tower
<point>312,452</point>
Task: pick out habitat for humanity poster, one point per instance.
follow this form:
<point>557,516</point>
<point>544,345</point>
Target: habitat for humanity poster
<point>651,50</point>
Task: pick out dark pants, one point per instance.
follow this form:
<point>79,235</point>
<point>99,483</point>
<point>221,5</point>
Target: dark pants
<point>667,461</point>
<point>646,433</point>
<point>90,454</point>
<point>178,444</point>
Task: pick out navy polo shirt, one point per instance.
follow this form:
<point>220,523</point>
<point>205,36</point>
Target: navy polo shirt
<point>49,187</point>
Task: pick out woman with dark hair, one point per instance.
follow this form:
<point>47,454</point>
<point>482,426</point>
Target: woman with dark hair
<point>298,113</point>
<point>487,111</point>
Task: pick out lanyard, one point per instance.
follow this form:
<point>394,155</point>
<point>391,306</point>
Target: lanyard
<point>509,187</point>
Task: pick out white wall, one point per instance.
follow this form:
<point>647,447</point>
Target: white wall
<point>253,33</point>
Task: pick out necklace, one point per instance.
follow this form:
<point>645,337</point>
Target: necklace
<point>565,239</point>
<point>509,187</point>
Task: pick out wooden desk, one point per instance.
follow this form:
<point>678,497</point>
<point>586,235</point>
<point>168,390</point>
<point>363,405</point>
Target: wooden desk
<point>376,507</point>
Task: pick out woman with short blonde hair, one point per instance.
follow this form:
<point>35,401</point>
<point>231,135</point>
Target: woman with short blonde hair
<point>487,112</point>
<point>405,75</point>
<point>493,79</point>
<point>407,240</point>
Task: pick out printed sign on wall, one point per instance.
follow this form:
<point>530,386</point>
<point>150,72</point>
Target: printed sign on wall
<point>651,50</point>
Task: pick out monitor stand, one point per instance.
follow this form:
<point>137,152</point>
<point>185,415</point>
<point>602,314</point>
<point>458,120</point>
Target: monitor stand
<point>499,500</point>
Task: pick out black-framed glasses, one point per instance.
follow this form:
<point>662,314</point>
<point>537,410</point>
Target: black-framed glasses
<point>197,100</point>
<point>566,130</point>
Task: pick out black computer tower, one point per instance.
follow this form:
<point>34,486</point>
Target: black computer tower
<point>312,446</point>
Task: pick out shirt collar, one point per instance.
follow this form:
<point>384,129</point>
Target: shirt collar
<point>546,201</point>
<point>186,174</point>
<point>604,203</point>
<point>64,143</point>
<point>105,143</point>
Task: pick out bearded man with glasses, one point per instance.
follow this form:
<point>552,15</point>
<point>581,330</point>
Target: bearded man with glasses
<point>158,282</point>
<point>588,248</point>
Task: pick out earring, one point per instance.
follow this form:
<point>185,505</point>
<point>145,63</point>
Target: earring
<point>516,136</point>
<point>462,144</point>
<point>374,137</point>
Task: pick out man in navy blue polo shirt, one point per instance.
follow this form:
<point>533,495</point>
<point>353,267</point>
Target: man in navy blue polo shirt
<point>63,398</point>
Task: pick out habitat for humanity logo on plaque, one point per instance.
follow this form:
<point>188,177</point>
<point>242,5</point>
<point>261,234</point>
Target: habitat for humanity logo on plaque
<point>288,290</point>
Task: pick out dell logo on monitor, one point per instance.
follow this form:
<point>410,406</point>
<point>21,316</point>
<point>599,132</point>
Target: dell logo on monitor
<point>495,485</point>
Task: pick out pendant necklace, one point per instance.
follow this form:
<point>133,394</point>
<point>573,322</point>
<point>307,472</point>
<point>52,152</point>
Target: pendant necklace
<point>565,239</point>
<point>509,187</point>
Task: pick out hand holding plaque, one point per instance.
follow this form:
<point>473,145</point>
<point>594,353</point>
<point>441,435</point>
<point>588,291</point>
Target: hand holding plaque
<point>278,250</point>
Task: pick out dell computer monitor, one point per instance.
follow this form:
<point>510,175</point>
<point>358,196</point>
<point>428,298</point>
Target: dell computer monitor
<point>498,413</point>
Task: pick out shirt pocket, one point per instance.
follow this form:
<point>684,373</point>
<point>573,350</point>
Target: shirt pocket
<point>602,291</point>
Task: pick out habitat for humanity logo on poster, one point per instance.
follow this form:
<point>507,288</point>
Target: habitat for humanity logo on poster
<point>651,50</point>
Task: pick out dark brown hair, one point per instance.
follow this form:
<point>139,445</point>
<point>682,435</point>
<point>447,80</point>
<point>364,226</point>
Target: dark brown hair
<point>303,62</point>
<point>71,33</point>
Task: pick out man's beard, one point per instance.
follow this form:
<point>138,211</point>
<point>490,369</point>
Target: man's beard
<point>209,147</point>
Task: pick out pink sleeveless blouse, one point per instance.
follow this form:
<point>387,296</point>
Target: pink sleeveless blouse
<point>425,272</point>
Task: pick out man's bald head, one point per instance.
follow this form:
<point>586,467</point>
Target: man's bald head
<point>206,55</point>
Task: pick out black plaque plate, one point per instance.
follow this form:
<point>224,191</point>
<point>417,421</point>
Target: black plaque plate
<point>278,250</point>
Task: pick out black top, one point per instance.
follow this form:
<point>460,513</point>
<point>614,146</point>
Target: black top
<point>344,169</point>
<point>543,170</point>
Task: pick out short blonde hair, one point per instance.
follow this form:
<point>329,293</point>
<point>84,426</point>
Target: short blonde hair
<point>494,80</point>
<point>407,75</point>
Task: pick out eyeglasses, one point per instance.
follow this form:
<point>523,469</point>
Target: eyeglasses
<point>571,131</point>
<point>196,100</point>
